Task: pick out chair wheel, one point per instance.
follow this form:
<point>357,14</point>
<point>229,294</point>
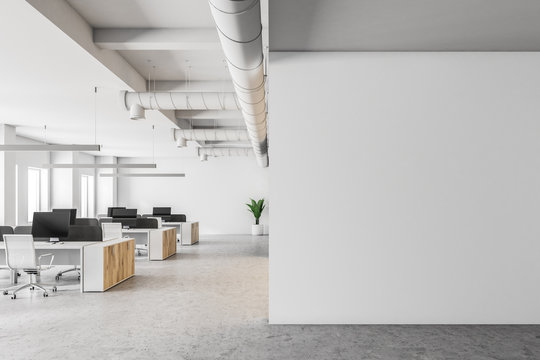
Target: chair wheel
<point>54,289</point>
<point>18,274</point>
<point>32,288</point>
<point>57,277</point>
<point>13,296</point>
<point>4,292</point>
<point>45,294</point>
<point>79,277</point>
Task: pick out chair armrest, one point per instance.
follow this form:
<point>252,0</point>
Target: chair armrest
<point>50,262</point>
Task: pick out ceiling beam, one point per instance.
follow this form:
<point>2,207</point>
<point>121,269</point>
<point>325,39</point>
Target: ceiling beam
<point>61,14</point>
<point>156,39</point>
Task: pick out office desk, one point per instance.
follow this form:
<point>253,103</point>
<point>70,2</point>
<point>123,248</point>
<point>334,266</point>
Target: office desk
<point>109,258</point>
<point>161,242</point>
<point>188,231</point>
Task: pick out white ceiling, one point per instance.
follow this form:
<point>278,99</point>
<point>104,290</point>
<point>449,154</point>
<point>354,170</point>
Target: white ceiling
<point>160,14</point>
<point>145,13</point>
<point>47,79</point>
<point>398,25</point>
<point>207,65</point>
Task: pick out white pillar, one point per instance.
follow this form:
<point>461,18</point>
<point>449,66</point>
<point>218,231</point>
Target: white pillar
<point>8,177</point>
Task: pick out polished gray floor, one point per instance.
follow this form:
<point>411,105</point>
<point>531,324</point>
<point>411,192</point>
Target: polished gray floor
<point>210,301</point>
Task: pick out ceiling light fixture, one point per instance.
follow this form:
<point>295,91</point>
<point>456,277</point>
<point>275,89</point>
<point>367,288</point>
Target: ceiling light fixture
<point>144,175</point>
<point>136,112</point>
<point>181,142</point>
<point>99,166</point>
<point>49,147</point>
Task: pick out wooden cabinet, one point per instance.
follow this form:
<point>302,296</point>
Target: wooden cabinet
<point>190,233</point>
<point>118,265</point>
<point>108,263</point>
<point>169,242</point>
<point>162,243</point>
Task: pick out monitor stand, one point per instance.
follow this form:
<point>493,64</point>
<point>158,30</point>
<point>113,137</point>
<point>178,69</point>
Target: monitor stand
<point>54,239</point>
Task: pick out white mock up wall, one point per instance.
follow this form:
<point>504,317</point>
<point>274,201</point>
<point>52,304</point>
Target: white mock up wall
<point>405,188</point>
<point>213,192</point>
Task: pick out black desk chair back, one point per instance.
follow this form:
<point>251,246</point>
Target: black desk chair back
<point>22,230</point>
<point>86,221</point>
<point>125,222</point>
<point>84,233</point>
<point>146,223</point>
<point>178,218</point>
<point>5,230</point>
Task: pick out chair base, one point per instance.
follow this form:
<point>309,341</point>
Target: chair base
<point>75,268</point>
<point>141,248</point>
<point>31,286</point>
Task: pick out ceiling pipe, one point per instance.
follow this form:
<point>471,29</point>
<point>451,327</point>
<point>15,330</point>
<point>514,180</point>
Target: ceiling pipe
<point>240,33</point>
<point>182,101</point>
<point>231,151</point>
<point>209,135</point>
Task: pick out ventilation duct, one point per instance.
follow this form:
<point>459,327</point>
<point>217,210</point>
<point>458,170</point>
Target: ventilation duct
<point>210,135</point>
<point>240,32</point>
<point>182,101</point>
<point>216,151</point>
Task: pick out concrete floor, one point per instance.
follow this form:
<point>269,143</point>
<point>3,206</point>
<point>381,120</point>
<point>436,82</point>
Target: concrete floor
<point>210,302</point>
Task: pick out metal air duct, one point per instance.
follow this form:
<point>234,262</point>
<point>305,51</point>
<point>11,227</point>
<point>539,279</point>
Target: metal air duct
<point>240,32</point>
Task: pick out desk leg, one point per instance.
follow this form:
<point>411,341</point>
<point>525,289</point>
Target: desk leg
<point>13,277</point>
<point>82,268</point>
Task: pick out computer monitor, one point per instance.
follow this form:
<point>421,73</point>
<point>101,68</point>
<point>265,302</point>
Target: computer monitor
<point>72,214</point>
<point>161,211</point>
<point>111,210</point>
<point>124,213</point>
<point>51,225</point>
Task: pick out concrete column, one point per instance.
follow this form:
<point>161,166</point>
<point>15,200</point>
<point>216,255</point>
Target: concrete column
<point>8,195</point>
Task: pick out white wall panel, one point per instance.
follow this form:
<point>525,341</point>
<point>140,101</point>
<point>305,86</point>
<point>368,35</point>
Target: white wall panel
<point>405,187</point>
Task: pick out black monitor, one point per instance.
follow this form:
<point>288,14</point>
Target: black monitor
<point>161,211</point>
<point>111,210</point>
<point>124,213</point>
<point>51,224</point>
<point>72,214</point>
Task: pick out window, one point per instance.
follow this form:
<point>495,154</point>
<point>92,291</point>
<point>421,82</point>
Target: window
<point>87,196</point>
<point>38,191</point>
<point>34,192</point>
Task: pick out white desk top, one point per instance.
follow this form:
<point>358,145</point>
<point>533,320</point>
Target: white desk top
<point>142,230</point>
<point>66,245</point>
<point>174,223</point>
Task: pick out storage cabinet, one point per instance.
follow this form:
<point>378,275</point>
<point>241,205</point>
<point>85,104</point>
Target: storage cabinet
<point>190,233</point>
<point>108,263</point>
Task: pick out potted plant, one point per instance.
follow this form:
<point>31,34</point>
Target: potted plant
<point>256,208</point>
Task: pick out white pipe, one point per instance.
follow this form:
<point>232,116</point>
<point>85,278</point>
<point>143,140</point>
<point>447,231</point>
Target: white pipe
<point>225,152</point>
<point>239,28</point>
<point>210,135</point>
<point>181,100</point>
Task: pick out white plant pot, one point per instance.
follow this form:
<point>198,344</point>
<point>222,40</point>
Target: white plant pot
<point>257,229</point>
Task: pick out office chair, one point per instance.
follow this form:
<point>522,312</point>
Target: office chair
<point>6,230</point>
<point>111,230</point>
<point>21,254</point>
<point>22,230</point>
<point>86,221</point>
<point>144,223</point>
<point>81,233</point>
<point>178,218</point>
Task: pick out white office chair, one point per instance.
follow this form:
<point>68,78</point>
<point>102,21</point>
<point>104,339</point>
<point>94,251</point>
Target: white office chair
<point>111,231</point>
<point>21,254</point>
